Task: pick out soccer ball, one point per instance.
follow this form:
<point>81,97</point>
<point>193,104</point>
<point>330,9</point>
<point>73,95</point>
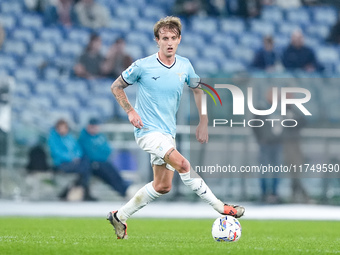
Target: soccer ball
<point>226,229</point>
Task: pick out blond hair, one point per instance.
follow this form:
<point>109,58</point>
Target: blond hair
<point>170,22</point>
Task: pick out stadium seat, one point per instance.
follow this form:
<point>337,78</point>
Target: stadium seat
<point>234,26</point>
<point>194,39</point>
<point>23,89</point>
<point>17,48</point>
<point>79,36</point>
<point>14,8</point>
<point>31,21</point>
<point>318,30</point>
<point>135,51</point>
<point>124,11</point>
<point>24,34</point>
<point>26,74</point>
<point>327,16</point>
<point>262,28</point>
<point>231,66</point>
<point>244,54</point>
<point>288,28</point>
<point>108,36</point>
<point>46,49</point>
<point>213,53</point>
<point>187,51</point>
<point>272,14</point>
<point>47,88</point>
<point>34,60</point>
<point>146,26</point>
<point>51,73</point>
<point>327,54</point>
<point>71,49</point>
<point>312,42</point>
<point>8,62</point>
<point>85,114</point>
<point>281,41</point>
<point>120,25</point>
<point>154,13</point>
<point>206,67</point>
<point>104,104</point>
<point>52,35</point>
<point>138,37</point>
<point>42,101</point>
<point>204,25</point>
<point>68,102</point>
<point>250,40</point>
<point>298,16</point>
<point>55,114</point>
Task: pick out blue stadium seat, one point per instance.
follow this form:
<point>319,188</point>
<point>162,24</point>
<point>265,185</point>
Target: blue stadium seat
<point>7,21</point>
<point>14,8</point>
<point>52,35</point>
<point>70,102</point>
<point>85,114</point>
<point>34,60</point>
<point>327,16</point>
<point>146,26</point>
<point>244,54</point>
<point>24,34</point>
<point>224,40</point>
<point>328,56</point>
<point>55,114</point>
<point>288,28</point>
<point>51,73</point>
<point>26,74</point>
<point>312,42</point>
<point>231,66</point>
<point>23,89</point>
<point>124,11</point>
<point>71,49</point>
<point>8,62</point>
<point>135,51</point>
<point>138,37</point>
<point>250,40</point>
<point>31,21</point>
<point>75,86</point>
<point>153,12</point>
<point>47,88</point>
<point>42,101</point>
<point>213,53</point>
<point>80,36</point>
<point>105,104</point>
<point>108,36</point>
<point>207,26</point>
<point>272,14</point>
<point>46,49</point>
<point>262,28</point>
<point>234,26</point>
<point>189,37</point>
<point>187,51</point>
<point>298,16</point>
<point>152,49</point>
<point>206,67</point>
<point>120,25</point>
<point>281,41</point>
<point>318,30</point>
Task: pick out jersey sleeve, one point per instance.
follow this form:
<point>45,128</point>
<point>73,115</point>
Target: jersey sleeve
<point>132,73</point>
<point>192,78</point>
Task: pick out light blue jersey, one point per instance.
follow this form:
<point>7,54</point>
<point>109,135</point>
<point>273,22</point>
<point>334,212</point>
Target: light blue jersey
<point>160,88</point>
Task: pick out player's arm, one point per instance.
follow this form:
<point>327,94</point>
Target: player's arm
<point>117,89</point>
<point>202,128</point>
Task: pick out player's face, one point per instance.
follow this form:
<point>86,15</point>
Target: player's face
<point>168,42</point>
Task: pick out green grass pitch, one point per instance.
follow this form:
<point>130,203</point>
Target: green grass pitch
<point>164,236</point>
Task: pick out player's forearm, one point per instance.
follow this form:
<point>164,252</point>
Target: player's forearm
<point>198,100</point>
<point>117,89</point>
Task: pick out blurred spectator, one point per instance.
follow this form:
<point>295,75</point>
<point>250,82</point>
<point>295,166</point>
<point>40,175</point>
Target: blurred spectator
<point>244,8</point>
<point>266,58</point>
<point>90,63</point>
<point>96,147</point>
<point>297,56</point>
<point>292,152</point>
<point>68,157</point>
<point>2,35</point>
<point>117,60</point>
<point>37,5</point>
<point>270,150</point>
<point>91,14</point>
<point>334,34</point>
<point>63,12</point>
<point>187,8</point>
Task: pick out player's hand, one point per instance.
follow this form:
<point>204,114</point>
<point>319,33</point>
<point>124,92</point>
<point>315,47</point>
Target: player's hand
<point>202,133</point>
<point>135,119</point>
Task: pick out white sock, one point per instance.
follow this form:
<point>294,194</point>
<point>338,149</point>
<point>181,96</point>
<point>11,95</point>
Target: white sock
<point>199,186</point>
<point>143,196</point>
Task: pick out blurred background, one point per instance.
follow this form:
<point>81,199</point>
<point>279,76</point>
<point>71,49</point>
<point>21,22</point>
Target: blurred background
<point>58,59</point>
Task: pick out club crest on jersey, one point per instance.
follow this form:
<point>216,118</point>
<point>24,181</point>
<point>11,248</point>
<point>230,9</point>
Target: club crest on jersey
<point>180,76</point>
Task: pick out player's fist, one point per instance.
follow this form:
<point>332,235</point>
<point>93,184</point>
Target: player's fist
<point>135,119</point>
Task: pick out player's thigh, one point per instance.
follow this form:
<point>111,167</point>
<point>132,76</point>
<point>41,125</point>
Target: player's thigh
<point>177,160</point>
<point>162,178</point>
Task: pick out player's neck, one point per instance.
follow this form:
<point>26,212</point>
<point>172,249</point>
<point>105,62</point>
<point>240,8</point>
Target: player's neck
<point>168,61</point>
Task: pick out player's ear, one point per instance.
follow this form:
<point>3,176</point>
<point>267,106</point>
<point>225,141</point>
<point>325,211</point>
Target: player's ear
<point>157,41</point>
<point>180,37</point>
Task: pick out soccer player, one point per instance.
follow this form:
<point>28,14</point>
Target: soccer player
<point>160,78</point>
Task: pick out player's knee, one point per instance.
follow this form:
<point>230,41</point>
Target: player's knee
<point>184,166</point>
<point>162,188</point>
